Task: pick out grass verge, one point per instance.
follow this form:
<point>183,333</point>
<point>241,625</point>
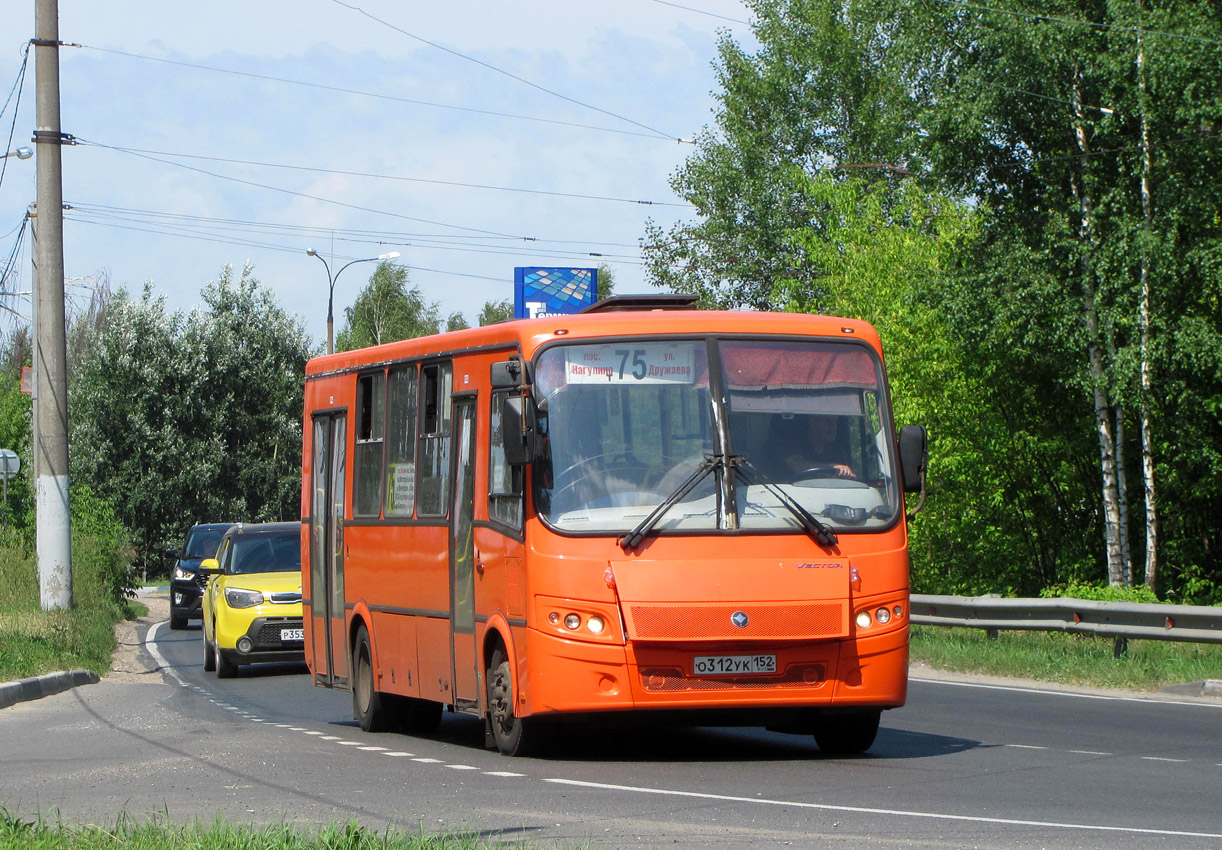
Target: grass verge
<point>129,834</point>
<point>1146,665</point>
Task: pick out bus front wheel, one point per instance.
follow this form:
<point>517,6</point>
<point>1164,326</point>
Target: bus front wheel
<point>514,736</point>
<point>847,734</point>
<point>369,707</point>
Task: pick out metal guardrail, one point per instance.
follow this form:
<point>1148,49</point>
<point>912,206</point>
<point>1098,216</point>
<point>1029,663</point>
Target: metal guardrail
<point>1187,623</point>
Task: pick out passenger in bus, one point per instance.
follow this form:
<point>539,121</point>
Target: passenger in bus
<point>819,444</point>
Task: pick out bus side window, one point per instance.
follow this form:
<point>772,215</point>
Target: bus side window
<point>401,445</point>
<point>435,387</point>
<point>504,479</point>
<point>370,430</point>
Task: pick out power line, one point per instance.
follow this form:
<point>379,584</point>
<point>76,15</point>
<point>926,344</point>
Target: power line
<point>293,193</point>
<point>502,71</point>
<point>702,12</point>
<point>376,95</point>
<point>394,177</point>
<point>18,87</point>
<point>369,236</point>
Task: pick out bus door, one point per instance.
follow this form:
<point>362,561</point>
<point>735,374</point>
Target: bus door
<point>329,645</point>
<point>462,556</point>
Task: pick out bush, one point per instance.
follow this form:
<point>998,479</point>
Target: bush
<point>1100,593</point>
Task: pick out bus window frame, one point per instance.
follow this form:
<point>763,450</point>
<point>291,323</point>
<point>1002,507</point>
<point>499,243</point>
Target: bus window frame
<point>370,430</point>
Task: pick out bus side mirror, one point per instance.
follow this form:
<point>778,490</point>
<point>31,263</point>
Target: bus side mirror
<point>914,458</point>
<point>518,426</point>
<point>508,374</point>
<point>914,455</point>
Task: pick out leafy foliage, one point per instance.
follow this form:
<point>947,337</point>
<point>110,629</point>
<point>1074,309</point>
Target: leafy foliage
<point>183,418</point>
<point>945,172</point>
<point>387,310</point>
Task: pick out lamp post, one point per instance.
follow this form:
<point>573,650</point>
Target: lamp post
<point>332,278</point>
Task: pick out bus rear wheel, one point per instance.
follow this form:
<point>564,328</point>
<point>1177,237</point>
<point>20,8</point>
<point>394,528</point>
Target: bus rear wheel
<point>514,736</point>
<point>369,707</point>
<point>847,734</point>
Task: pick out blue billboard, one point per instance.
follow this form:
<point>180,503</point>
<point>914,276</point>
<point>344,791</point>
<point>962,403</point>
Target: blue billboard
<point>540,292</point>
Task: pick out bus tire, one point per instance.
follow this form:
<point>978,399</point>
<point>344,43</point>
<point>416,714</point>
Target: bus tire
<point>847,734</point>
<point>369,708</point>
<point>514,736</point>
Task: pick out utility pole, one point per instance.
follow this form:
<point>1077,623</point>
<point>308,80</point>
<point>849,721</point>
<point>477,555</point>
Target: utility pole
<point>50,346</point>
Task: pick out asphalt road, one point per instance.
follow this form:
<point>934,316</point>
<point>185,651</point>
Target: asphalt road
<point>962,765</point>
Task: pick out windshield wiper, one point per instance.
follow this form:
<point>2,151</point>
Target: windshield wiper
<point>633,538</point>
<point>820,532</point>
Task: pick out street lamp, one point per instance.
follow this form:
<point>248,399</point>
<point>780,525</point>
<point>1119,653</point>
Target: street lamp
<point>390,255</point>
<point>21,153</point>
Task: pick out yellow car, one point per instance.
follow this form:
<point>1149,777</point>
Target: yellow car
<point>252,605</point>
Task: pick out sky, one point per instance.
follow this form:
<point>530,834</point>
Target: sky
<point>471,136</point>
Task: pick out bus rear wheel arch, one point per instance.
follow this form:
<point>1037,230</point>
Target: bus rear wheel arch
<point>369,706</point>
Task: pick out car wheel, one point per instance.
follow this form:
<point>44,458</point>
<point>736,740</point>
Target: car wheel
<point>209,658</point>
<point>514,736</point>
<point>369,707</point>
<point>225,669</point>
<point>178,620</point>
<point>847,734</point>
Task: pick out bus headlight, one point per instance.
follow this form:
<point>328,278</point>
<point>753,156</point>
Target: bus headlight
<point>572,622</point>
<point>596,625</point>
<point>863,619</point>
<point>883,615</point>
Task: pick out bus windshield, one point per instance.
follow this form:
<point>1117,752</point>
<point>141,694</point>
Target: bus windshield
<point>726,429</point>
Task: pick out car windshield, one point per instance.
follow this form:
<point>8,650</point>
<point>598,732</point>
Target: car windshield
<point>202,542</point>
<point>628,426</point>
<point>265,553</point>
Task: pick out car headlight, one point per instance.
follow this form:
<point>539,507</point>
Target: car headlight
<point>183,575</point>
<point>238,597</point>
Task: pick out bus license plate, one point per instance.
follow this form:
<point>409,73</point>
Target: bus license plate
<point>292,634</point>
<point>722,665</point>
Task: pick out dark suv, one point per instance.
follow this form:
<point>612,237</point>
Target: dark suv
<point>186,584</point>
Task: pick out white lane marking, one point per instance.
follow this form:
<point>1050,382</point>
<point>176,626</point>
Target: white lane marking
<point>1024,747</point>
<point>427,761</point>
<point>507,773</point>
<point>328,737</point>
<point>308,732</point>
<point>374,749</point>
<point>461,767</point>
<point>1089,753</point>
<point>398,754</point>
<point>602,786</point>
<point>1157,758</point>
<point>150,643</point>
<point>1073,694</point>
<point>349,743</point>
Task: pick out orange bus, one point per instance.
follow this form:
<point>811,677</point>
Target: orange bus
<point>643,508</point>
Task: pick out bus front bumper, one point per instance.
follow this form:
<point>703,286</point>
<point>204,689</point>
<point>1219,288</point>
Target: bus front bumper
<point>571,676</point>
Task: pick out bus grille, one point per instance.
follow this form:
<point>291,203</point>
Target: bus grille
<point>672,679</point>
<point>708,622</point>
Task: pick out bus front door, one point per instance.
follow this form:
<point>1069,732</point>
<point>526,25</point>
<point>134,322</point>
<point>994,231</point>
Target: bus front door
<point>462,557</point>
<point>329,645</point>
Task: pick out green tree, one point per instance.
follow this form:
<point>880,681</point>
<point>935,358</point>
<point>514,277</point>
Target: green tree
<point>181,418</point>
<point>1090,266</point>
<point>387,310</point>
<point>496,311</point>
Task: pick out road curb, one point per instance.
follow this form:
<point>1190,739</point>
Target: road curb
<point>37,687</point>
